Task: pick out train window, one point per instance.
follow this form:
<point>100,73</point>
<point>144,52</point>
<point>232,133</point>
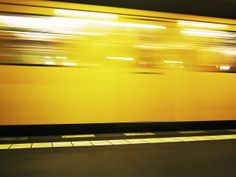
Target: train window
<point>117,43</point>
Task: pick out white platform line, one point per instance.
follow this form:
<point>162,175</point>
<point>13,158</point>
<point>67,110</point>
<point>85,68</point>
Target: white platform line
<point>79,136</point>
<point>139,134</point>
<point>193,131</point>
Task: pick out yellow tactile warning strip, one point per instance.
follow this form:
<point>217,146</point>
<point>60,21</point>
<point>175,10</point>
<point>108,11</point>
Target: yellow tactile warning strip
<point>136,141</point>
<point>62,144</point>
<point>5,146</point>
<point>100,143</point>
<point>154,140</point>
<point>21,146</point>
<point>81,143</point>
<point>116,142</point>
<point>42,145</point>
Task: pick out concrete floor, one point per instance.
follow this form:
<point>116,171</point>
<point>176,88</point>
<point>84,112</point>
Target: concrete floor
<point>181,159</point>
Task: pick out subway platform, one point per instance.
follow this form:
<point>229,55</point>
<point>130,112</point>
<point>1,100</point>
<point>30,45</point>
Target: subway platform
<point>198,153</point>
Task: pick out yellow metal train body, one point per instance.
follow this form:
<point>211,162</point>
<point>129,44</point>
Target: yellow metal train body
<point>64,63</point>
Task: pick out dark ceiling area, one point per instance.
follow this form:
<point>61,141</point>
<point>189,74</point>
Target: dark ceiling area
<point>214,8</point>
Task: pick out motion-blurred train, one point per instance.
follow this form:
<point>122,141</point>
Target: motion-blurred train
<point>65,63</point>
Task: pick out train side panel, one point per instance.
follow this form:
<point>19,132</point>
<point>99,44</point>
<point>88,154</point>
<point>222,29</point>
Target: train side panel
<point>70,64</point>
<point>33,95</point>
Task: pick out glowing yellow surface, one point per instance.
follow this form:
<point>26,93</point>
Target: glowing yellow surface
<point>119,69</point>
<point>66,95</point>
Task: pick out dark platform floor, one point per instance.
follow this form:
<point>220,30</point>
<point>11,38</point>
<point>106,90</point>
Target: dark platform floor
<point>180,159</point>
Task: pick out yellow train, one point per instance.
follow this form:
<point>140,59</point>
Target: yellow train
<point>65,63</point>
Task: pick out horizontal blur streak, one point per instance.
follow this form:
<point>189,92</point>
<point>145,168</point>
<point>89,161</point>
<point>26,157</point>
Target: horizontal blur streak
<point>125,25</point>
<point>207,33</point>
<point>224,67</point>
<point>202,24</point>
<point>43,24</point>
<point>120,58</point>
<point>37,36</point>
<point>171,61</point>
<point>50,62</point>
<point>229,51</point>
<point>75,13</point>
<point>69,64</point>
<point>84,38</point>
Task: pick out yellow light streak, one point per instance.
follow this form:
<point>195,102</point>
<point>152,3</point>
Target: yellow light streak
<point>37,36</point>
<point>229,52</point>
<point>226,51</point>
<point>65,25</point>
<point>173,61</point>
<point>61,57</point>
<point>69,64</point>
<point>125,24</point>
<point>202,24</point>
<point>50,62</point>
<point>75,13</point>
<point>120,58</point>
<point>52,24</point>
<point>47,57</point>
<point>206,33</point>
<point>143,46</point>
<point>224,67</point>
<point>88,33</point>
<point>106,16</point>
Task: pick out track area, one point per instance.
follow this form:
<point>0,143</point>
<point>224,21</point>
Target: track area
<point>205,156</point>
